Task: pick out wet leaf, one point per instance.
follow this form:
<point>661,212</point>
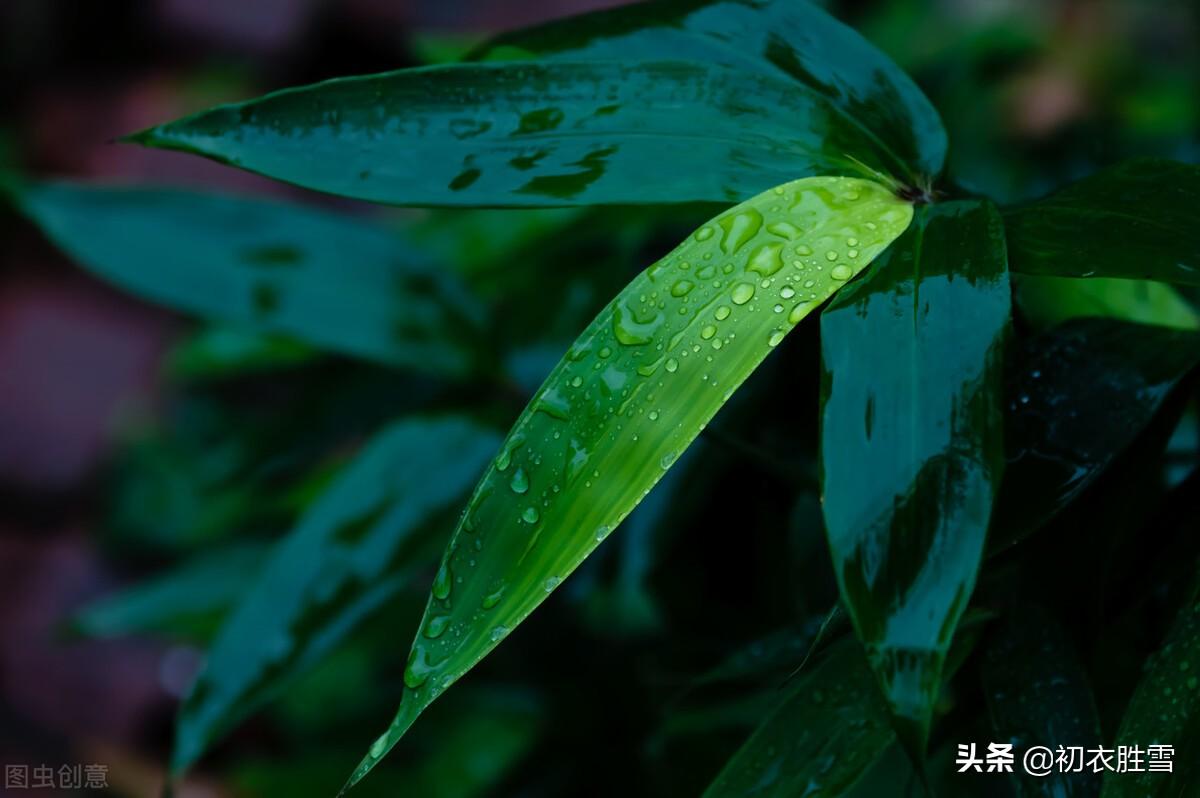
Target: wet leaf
<point>797,41</point>
<point>356,546</point>
<point>1079,395</point>
<point>1138,220</point>
<point>1047,301</point>
<point>911,443</point>
<point>1039,694</point>
<point>266,266</point>
<point>826,731</point>
<point>631,394</point>
<point>1165,710</point>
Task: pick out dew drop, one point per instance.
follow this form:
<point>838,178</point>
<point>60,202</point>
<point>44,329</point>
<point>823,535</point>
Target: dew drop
<point>520,481</point>
<point>841,272</point>
<point>722,312</point>
<point>708,332</point>
<point>766,260</point>
<point>682,288</point>
<point>704,233</point>
<point>831,255</point>
<point>739,228</point>
<point>552,583</point>
<point>531,515</point>
<point>742,293</point>
<point>435,627</point>
<point>672,365</point>
<point>787,292</point>
<point>775,338</point>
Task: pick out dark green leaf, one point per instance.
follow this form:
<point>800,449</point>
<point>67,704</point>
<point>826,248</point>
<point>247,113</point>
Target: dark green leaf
<point>1139,220</point>
<point>220,351</point>
<point>791,39</point>
<point>826,731</point>
<point>532,134</point>
<point>628,398</point>
<point>331,281</point>
<point>352,550</point>
<point>185,601</point>
<point>1039,694</point>
<point>1079,395</point>
<point>911,443</point>
<point>1165,710</point>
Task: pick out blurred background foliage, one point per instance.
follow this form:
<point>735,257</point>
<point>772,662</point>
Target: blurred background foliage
<point>148,463</point>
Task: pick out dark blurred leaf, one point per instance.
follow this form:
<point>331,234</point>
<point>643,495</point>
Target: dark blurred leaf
<point>628,398</point>
<point>219,351</point>
<point>489,732</point>
<point>790,39</point>
<point>828,728</point>
<point>187,601</point>
<point>1047,301</point>
<point>911,444</point>
<point>1078,396</point>
<point>1165,710</point>
<point>353,549</point>
<point>1139,220</point>
<point>535,134</point>
<point>331,281</point>
<point>1038,694</point>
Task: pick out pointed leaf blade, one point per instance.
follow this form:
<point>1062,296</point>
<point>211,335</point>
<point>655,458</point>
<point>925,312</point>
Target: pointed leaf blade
<point>1136,220</point>
<point>266,265</point>
<point>911,444</point>
<point>354,548</point>
<point>531,134</point>
<point>631,394</point>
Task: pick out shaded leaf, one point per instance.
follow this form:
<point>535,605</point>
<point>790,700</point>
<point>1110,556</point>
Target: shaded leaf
<point>1138,220</point>
<point>1047,301</point>
<point>911,444</point>
<point>1165,710</point>
<point>186,601</point>
<point>797,41</point>
<point>267,266</point>
<point>1078,396</point>
<point>219,351</point>
<point>826,731</point>
<point>1039,694</point>
<point>531,134</point>
<point>354,548</point>
<point>629,396</point>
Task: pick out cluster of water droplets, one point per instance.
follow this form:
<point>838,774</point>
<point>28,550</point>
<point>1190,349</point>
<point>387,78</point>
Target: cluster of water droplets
<point>643,373</point>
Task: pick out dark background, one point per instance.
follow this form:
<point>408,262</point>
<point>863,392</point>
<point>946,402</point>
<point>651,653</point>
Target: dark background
<point>1033,94</point>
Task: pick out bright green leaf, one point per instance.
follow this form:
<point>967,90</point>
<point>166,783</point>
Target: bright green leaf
<point>330,281</point>
<point>791,39</point>
<point>1165,710</point>
<point>1137,220</point>
<point>355,547</point>
<point>1113,377</point>
<point>911,443</point>
<point>631,394</point>
<point>1047,301</point>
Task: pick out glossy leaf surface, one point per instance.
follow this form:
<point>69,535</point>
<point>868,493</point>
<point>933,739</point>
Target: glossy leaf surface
<point>1136,220</point>
<point>629,396</point>
<point>353,549</point>
<point>333,282</point>
<point>911,443</point>
<point>791,39</point>
<point>1111,377</point>
<point>1039,694</point>
<point>1165,710</point>
<point>827,729</point>
<point>531,134</point>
